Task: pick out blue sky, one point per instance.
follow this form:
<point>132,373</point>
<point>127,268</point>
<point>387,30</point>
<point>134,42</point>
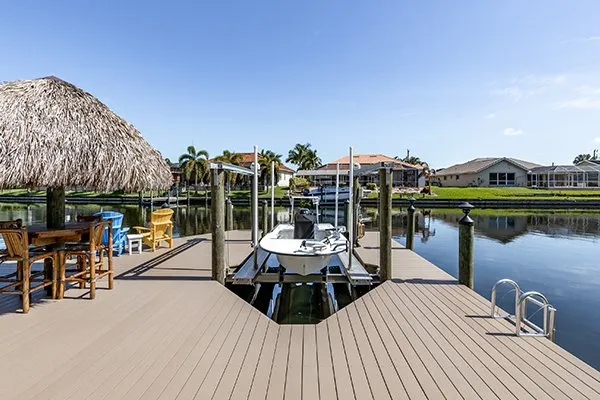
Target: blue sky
<point>449,80</point>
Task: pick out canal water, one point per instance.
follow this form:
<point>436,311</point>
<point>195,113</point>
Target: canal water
<point>556,253</point>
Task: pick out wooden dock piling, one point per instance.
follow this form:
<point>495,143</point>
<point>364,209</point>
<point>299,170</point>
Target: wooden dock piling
<point>385,224</point>
<point>410,226</point>
<point>217,205</point>
<point>466,236</point>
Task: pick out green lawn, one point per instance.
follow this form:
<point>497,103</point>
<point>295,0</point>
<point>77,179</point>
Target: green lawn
<point>511,193</point>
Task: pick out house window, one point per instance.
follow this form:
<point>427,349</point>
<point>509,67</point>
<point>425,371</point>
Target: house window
<point>457,177</point>
<point>444,178</point>
<point>502,178</point>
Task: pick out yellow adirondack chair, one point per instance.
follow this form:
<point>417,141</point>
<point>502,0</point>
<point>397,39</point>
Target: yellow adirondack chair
<point>161,229</point>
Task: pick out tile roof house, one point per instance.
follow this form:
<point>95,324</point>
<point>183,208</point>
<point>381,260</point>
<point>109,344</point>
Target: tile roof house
<point>405,174</point>
<point>486,172</point>
<point>285,172</point>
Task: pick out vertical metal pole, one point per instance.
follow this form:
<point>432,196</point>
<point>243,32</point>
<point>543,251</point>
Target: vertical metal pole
<point>385,224</point>
<point>337,192</point>
<point>229,215</point>
<point>265,218</point>
<point>410,226</point>
<point>217,205</point>
<point>466,236</point>
<point>272,194</point>
<point>151,201</point>
<point>255,205</point>
<point>350,218</point>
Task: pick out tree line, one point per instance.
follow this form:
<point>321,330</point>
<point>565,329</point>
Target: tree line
<point>194,163</point>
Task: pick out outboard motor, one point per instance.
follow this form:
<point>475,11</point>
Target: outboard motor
<point>304,224</point>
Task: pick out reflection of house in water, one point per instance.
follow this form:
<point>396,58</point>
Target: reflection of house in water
<point>506,228</point>
<point>503,228</point>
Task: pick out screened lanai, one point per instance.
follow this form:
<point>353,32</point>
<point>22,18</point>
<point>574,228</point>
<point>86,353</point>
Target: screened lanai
<point>583,175</point>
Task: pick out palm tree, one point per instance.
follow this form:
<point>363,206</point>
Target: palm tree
<point>230,157</point>
<point>428,172</point>
<point>265,158</point>
<point>304,157</point>
<point>582,157</point>
<point>194,164</point>
<point>413,160</point>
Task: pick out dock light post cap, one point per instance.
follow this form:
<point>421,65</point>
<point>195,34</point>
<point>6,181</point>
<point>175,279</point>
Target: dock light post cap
<point>466,209</point>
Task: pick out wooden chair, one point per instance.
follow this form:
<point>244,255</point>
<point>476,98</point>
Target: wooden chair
<point>17,249</point>
<point>90,261</point>
<point>161,229</point>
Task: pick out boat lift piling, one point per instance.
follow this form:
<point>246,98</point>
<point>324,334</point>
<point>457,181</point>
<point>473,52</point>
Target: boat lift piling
<point>217,204</point>
<point>385,223</point>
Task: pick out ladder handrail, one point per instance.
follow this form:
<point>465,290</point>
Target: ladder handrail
<point>514,284</point>
<point>548,328</point>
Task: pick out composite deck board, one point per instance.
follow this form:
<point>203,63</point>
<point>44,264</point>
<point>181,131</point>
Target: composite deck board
<point>293,379</point>
<point>423,365</point>
<point>487,367</point>
<point>277,378</point>
<point>362,386</point>
<point>326,377</point>
<point>343,381</point>
<point>167,331</point>
<point>240,388</point>
<point>554,355</point>
<point>310,370</point>
<point>229,375</point>
<point>260,380</point>
<point>528,350</point>
<point>455,323</point>
<point>424,328</point>
<point>548,379</point>
<point>398,361</point>
<point>373,368</point>
<point>244,323</point>
<point>202,367</point>
<point>160,369</point>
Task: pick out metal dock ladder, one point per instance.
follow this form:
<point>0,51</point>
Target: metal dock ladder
<point>520,316</point>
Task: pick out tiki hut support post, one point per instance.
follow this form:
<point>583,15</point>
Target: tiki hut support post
<point>55,219</point>
<point>55,208</point>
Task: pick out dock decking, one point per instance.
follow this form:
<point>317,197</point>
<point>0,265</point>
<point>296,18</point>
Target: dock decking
<point>167,331</point>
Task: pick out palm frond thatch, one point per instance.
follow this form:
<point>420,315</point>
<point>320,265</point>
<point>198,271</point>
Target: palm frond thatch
<point>53,134</point>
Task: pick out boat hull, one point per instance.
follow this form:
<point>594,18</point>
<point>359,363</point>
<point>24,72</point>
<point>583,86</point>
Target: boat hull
<point>304,265</point>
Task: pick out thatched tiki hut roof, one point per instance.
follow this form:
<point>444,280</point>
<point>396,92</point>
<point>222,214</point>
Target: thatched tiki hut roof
<point>53,134</point>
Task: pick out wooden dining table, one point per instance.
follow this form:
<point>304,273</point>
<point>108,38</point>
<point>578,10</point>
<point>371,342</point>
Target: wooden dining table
<point>55,238</point>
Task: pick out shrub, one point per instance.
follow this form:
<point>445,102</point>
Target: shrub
<point>371,186</point>
<point>298,183</point>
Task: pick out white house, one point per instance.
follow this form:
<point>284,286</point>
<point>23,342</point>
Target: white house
<point>486,172</point>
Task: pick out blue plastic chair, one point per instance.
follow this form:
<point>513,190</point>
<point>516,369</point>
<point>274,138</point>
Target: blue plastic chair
<point>119,233</point>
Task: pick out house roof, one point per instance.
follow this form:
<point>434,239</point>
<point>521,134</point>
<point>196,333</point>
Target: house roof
<point>584,166</point>
<point>368,159</point>
<point>248,158</point>
<point>479,164</point>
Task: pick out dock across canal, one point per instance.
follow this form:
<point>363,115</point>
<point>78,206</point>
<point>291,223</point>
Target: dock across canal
<point>167,331</point>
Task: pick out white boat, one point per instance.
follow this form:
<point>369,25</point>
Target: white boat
<point>304,256</point>
<point>327,193</point>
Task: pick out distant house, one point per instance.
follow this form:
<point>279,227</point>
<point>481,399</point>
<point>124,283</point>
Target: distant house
<point>404,174</point>
<point>285,172</point>
<point>486,172</point>
<point>586,174</point>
